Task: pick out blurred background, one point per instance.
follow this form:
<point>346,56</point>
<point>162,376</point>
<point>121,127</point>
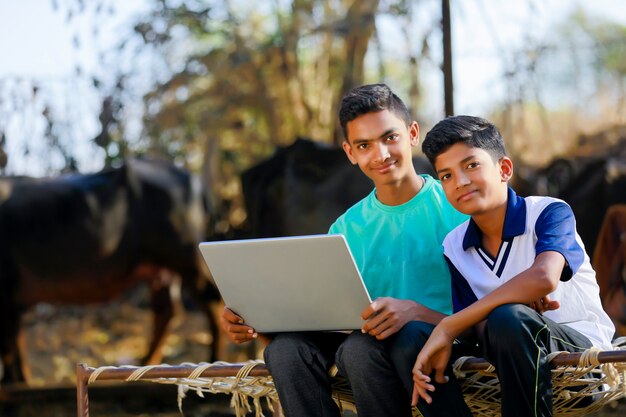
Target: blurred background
<point>215,87</point>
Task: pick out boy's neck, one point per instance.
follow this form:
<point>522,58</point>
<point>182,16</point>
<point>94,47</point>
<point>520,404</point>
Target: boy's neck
<point>401,192</point>
<point>491,225</point>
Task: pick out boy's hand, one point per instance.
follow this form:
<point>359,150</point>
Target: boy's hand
<point>544,304</point>
<point>386,315</point>
<point>434,356</point>
<point>234,326</point>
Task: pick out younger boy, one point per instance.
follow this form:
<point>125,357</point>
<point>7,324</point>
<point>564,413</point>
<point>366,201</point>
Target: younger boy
<point>520,274</point>
<point>395,235</point>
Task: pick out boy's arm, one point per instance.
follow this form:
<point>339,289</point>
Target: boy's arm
<point>528,286</point>
<point>386,316</point>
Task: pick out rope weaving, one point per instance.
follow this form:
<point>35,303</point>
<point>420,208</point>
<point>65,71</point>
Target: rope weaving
<point>578,389</point>
<point>582,382</point>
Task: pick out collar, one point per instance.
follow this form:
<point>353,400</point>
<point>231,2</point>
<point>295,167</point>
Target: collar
<point>514,222</point>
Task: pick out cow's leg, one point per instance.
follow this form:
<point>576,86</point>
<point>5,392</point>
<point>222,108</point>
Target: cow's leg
<point>219,343</point>
<point>14,367</point>
<point>206,296</point>
<point>163,310</point>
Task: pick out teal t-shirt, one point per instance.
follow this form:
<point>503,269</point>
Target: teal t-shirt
<point>398,249</point>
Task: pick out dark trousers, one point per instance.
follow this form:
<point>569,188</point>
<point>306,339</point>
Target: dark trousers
<point>517,342</point>
<point>379,373</point>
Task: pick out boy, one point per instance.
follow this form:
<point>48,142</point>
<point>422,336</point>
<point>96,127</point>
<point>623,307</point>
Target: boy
<point>395,235</point>
<point>520,275</point>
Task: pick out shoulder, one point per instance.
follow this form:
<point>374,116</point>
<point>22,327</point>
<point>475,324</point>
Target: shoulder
<point>536,204</point>
<point>433,192</point>
<point>454,239</point>
<point>432,185</point>
<point>540,209</point>
<point>350,215</point>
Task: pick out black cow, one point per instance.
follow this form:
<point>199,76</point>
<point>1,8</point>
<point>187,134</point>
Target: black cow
<point>87,238</point>
<point>303,188</point>
<point>590,184</point>
<point>599,185</point>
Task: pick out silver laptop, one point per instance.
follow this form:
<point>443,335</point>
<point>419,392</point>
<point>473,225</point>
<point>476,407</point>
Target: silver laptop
<point>285,284</point>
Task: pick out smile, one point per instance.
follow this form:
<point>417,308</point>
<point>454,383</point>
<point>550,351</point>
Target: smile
<point>383,169</point>
<point>466,196</point>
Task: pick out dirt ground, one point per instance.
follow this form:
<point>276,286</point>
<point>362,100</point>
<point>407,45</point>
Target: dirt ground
<point>57,338</point>
<point>116,334</point>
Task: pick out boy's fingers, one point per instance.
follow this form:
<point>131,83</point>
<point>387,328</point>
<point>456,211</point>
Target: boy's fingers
<point>241,334</point>
<point>230,316</point>
<point>371,323</point>
<point>420,392</point>
<point>240,329</point>
<point>371,310</point>
<point>365,314</point>
<point>423,381</point>
<point>415,396</point>
<point>440,377</point>
<point>376,326</point>
<point>387,331</point>
<point>422,365</point>
<point>552,305</point>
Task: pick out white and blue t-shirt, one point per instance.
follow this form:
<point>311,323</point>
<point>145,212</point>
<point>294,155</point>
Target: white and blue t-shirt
<point>398,248</point>
<point>532,225</point>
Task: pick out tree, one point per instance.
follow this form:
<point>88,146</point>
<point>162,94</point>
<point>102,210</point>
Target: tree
<point>254,76</point>
<point>560,84</point>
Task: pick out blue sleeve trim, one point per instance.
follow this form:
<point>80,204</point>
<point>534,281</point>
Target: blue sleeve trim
<point>462,294</point>
<point>556,231</point>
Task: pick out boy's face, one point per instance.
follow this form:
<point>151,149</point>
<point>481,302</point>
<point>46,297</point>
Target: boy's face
<point>473,182</point>
<point>380,143</point>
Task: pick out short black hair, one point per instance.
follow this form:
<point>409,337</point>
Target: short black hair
<point>470,130</point>
<point>370,98</point>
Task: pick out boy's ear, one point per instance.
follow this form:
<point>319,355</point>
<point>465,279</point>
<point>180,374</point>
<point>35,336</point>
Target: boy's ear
<point>414,133</point>
<point>347,148</point>
<point>506,168</point>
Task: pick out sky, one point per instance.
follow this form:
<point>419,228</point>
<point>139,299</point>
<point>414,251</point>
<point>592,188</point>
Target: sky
<point>37,43</point>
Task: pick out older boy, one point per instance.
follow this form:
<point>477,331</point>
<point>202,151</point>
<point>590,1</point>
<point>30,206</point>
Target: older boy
<point>395,235</point>
<point>520,274</point>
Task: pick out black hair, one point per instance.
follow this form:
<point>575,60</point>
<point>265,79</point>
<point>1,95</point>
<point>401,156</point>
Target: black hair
<point>470,130</point>
<point>370,98</point>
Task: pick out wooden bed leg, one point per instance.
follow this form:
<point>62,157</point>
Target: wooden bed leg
<point>82,396</point>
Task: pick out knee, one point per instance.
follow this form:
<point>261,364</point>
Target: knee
<point>357,350</point>
<point>401,349</point>
<point>407,343</point>
<point>506,324</point>
<point>413,333</point>
<point>287,350</point>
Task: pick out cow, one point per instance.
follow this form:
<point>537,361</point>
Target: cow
<point>590,185</point>
<point>609,262</point>
<point>79,239</point>
<point>599,185</point>
<point>303,188</point>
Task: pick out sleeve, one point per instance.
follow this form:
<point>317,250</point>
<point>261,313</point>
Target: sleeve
<point>556,231</point>
<point>335,229</point>
<point>462,294</point>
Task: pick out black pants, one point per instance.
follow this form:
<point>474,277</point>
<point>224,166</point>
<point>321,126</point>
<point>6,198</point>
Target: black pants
<point>379,373</point>
<point>517,342</point>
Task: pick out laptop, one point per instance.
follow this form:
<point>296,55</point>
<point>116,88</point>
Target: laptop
<point>301,283</point>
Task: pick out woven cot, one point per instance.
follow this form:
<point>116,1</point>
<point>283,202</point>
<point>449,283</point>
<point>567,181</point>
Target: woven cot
<point>582,382</point>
